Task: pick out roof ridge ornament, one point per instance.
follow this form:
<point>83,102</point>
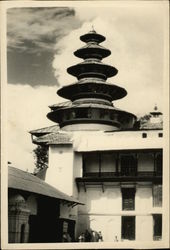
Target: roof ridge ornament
<point>156,107</point>
<point>93,30</point>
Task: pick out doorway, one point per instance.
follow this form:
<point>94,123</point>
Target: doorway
<point>128,227</point>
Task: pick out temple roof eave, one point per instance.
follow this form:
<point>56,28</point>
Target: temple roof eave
<point>93,105</point>
<point>56,115</point>
<point>115,91</point>
<point>92,36</point>
<point>45,130</point>
<point>92,49</point>
<point>94,67</point>
<point>56,138</point>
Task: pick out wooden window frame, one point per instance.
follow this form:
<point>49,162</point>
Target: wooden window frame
<point>128,168</point>
<point>128,199</point>
<point>157,232</point>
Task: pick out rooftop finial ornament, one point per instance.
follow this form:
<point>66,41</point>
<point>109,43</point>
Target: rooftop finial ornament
<point>93,30</point>
<point>156,107</point>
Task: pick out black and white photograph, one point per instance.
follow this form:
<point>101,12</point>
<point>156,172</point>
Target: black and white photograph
<point>85,124</point>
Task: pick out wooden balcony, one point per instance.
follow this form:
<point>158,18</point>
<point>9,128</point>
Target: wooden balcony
<point>121,174</point>
<point>99,178</point>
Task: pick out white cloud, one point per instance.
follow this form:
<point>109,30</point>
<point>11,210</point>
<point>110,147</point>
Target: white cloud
<point>135,37</point>
<point>33,29</point>
<point>27,110</point>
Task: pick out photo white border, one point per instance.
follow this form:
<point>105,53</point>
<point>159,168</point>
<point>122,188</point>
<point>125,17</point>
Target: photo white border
<point>165,243</point>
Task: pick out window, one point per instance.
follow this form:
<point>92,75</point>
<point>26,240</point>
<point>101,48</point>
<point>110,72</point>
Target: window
<point>128,165</point>
<point>144,135</point>
<point>157,227</point>
<point>72,115</point>
<point>91,164</point>
<point>128,198</point>
<point>157,195</point>
<point>81,113</point>
<point>104,114</point>
<point>128,227</point>
<point>158,165</point>
<point>160,134</point>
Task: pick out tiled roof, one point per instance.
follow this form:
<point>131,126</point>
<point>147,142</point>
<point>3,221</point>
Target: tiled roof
<point>45,130</point>
<point>21,180</point>
<point>57,138</point>
<point>149,125</point>
<point>61,105</point>
<point>89,105</point>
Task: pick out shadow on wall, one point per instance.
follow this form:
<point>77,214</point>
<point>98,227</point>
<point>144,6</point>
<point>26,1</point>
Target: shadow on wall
<point>98,212</point>
<point>98,201</point>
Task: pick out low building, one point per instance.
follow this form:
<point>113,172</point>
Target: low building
<point>37,212</point>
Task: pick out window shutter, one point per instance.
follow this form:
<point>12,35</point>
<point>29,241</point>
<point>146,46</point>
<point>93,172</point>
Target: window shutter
<point>157,195</point>
<point>128,198</point>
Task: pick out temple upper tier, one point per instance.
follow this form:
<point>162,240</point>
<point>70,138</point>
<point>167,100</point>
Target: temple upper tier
<point>90,106</point>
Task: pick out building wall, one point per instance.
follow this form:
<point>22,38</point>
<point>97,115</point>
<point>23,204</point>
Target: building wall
<point>32,204</point>
<point>144,227</point>
<point>67,212</point>
<point>77,170</point>
<point>89,127</point>
<point>60,170</point>
<point>103,211</point>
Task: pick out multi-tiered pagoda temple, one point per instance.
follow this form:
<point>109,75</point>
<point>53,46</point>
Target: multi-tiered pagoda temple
<point>91,97</point>
<point>97,155</point>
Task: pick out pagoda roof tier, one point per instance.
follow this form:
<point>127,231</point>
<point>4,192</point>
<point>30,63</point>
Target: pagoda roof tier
<point>60,105</point>
<point>92,68</point>
<point>78,102</point>
<point>92,36</point>
<point>92,88</point>
<point>75,114</point>
<point>156,111</point>
<point>93,105</point>
<point>92,50</point>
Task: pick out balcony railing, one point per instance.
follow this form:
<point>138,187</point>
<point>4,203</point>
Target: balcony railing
<point>121,174</point>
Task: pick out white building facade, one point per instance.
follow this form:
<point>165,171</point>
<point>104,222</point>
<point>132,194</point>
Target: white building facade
<point>121,187</point>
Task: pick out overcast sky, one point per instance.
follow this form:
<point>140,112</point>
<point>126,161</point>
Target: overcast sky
<point>41,42</point>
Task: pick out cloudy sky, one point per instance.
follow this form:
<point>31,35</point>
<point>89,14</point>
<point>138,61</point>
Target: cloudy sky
<point>40,46</point>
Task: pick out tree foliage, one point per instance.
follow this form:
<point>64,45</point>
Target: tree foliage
<point>145,118</point>
<point>41,157</point>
